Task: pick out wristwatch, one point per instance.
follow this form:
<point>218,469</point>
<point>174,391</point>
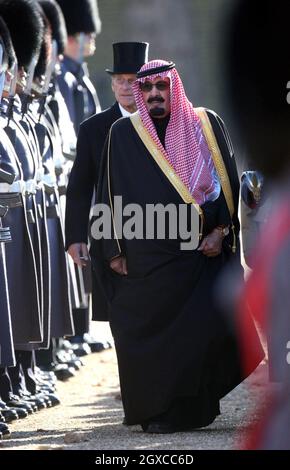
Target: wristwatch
<point>223,229</point>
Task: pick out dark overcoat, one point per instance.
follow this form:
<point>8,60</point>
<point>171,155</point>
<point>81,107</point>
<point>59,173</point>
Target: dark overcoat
<point>82,183</point>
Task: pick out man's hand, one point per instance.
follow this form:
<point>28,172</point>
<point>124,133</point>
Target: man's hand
<point>211,245</point>
<point>79,253</point>
<point>119,265</point>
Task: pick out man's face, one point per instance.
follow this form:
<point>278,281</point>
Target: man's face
<point>90,44</point>
<point>21,80</point>
<point>156,95</point>
<point>7,85</point>
<point>122,89</point>
<point>80,46</point>
<point>37,87</point>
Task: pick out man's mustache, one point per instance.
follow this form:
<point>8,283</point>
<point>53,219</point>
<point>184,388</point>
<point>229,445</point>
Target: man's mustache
<point>157,99</point>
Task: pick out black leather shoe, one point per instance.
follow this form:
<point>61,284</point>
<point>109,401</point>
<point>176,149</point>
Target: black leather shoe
<point>53,399</point>
<point>158,428</point>
<point>82,349</point>
<point>98,346</point>
<point>62,371</point>
<point>95,344</point>
<point>29,397</point>
<point>8,415</point>
<point>64,357</point>
<point>21,412</point>
<point>4,430</point>
<point>166,428</point>
<point>15,402</point>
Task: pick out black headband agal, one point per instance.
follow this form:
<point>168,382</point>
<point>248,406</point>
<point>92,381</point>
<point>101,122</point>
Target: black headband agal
<point>155,70</point>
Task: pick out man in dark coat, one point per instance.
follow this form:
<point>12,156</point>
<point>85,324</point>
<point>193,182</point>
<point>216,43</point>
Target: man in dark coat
<point>176,355</point>
<point>128,58</point>
<point>83,24</point>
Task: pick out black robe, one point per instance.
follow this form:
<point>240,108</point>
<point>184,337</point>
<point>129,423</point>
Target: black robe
<point>176,354</point>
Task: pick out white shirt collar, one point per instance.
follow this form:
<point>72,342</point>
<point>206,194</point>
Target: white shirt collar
<point>124,112</point>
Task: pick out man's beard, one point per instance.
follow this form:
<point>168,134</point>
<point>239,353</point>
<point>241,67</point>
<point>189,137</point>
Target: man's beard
<point>157,112</point>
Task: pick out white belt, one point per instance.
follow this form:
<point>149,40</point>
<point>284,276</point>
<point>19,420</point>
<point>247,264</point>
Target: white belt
<point>16,187</point>
<point>23,187</point>
<point>49,180</point>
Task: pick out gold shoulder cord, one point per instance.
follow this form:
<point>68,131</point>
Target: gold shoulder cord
<point>219,165</point>
<point>109,189</point>
<point>165,166</point>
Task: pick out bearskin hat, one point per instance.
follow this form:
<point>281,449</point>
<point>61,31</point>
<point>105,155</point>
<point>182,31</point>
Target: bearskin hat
<point>56,19</point>
<point>7,43</point>
<point>81,16</point>
<point>46,47</point>
<point>25,25</point>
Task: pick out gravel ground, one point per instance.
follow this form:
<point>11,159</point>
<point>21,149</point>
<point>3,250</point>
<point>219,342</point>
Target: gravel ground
<point>90,416</point>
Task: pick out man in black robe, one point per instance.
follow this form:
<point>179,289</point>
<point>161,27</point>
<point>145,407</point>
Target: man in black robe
<point>176,355</point>
<point>128,58</point>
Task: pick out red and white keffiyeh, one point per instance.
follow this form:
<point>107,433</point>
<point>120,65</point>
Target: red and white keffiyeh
<point>186,147</point>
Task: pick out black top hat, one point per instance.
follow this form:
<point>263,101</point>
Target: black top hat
<point>129,57</point>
